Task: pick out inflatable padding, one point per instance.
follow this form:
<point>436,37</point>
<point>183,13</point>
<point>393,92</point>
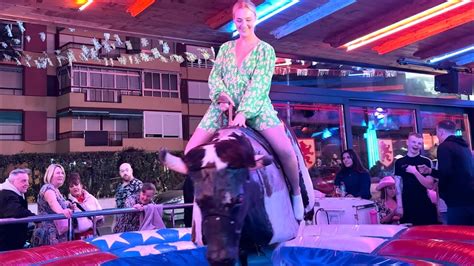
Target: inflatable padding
<point>290,256</point>
<point>85,259</point>
<point>192,257</point>
<point>458,253</point>
<point>46,253</point>
<point>443,232</point>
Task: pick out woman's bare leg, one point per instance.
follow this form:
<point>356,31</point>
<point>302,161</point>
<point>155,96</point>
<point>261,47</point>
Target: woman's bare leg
<point>199,137</point>
<point>281,144</point>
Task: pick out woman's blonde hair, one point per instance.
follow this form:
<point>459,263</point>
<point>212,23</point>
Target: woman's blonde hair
<point>48,175</point>
<point>244,4</point>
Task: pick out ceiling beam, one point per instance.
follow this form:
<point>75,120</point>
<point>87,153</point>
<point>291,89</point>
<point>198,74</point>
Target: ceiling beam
<point>445,47</point>
<point>382,20</point>
<point>311,17</point>
<point>224,16</point>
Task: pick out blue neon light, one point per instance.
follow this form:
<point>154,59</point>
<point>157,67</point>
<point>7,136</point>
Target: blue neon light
<point>465,59</point>
<point>264,11</point>
<point>372,144</point>
<point>451,54</point>
<point>312,16</point>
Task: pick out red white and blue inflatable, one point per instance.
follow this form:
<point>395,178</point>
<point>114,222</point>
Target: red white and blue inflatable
<point>314,245</point>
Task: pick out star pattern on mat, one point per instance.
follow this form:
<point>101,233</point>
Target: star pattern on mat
<point>151,233</point>
<point>111,239</point>
<point>144,250</point>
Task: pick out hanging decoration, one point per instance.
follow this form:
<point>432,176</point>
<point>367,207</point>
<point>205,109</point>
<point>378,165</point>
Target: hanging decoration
<point>91,52</point>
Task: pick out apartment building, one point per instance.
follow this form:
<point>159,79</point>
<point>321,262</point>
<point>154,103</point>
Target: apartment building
<point>89,106</point>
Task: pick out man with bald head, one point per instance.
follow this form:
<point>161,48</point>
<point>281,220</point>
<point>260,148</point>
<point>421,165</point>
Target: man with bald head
<point>129,186</point>
<point>13,205</point>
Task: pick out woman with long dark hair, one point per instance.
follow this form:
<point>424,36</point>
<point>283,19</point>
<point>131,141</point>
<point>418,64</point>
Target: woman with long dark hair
<point>355,177</point>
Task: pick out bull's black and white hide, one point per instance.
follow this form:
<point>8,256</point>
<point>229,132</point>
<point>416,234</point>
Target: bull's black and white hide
<point>241,193</point>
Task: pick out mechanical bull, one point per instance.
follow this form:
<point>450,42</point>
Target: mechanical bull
<point>242,197</point>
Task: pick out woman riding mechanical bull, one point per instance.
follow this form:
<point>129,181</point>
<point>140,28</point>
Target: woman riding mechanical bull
<point>219,163</point>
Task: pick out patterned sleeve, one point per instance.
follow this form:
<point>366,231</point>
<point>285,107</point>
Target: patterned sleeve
<point>130,201</point>
<point>45,188</point>
<point>256,94</point>
<point>215,82</point>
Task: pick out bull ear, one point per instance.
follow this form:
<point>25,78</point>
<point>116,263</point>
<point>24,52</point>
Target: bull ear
<point>262,161</point>
<point>173,162</point>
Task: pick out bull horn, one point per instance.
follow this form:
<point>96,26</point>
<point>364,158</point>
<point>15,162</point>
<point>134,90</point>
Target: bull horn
<point>172,162</point>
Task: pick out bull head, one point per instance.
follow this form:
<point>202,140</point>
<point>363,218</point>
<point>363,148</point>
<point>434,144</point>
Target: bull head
<point>220,172</point>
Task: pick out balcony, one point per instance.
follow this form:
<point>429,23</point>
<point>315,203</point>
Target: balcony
<point>128,102</point>
<point>200,64</point>
<point>101,138</point>
<point>75,141</point>
<point>103,95</point>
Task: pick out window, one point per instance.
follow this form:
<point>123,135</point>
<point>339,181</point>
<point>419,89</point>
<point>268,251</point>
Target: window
<point>162,124</point>
<point>85,124</point>
<point>430,121</point>
<point>198,92</point>
<point>51,128</point>
<point>100,84</point>
<point>11,80</point>
<point>193,124</point>
<point>319,129</point>
<point>379,136</point>
<point>161,85</point>
<point>105,78</point>
<point>11,125</point>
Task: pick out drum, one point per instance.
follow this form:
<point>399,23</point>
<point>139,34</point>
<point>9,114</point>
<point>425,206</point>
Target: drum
<point>345,211</point>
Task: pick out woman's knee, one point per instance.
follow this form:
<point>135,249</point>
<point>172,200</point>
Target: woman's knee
<point>199,137</point>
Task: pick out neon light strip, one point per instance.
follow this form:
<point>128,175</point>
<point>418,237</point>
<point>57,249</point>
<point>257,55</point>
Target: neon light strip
<point>440,26</point>
<point>451,54</point>
<point>372,144</point>
<point>84,6</point>
<point>465,59</point>
<point>406,23</point>
<point>266,11</point>
<point>139,6</point>
<point>311,17</point>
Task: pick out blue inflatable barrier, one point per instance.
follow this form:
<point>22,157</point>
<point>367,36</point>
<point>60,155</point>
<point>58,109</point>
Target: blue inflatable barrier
<point>120,242</point>
<point>289,256</point>
<point>193,257</point>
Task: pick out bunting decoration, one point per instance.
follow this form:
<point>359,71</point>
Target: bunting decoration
<point>92,51</point>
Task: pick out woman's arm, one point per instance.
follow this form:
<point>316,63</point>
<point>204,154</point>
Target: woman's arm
<point>50,197</point>
<point>257,92</point>
<point>387,219</point>
<point>364,189</point>
<point>215,82</point>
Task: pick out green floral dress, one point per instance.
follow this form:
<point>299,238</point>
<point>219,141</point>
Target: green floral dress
<point>248,86</point>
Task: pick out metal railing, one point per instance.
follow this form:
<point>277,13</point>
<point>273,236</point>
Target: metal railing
<point>105,212</point>
<point>109,95</point>
<point>115,138</point>
<point>200,64</point>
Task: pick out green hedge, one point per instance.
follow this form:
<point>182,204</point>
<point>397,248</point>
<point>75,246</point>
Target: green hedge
<point>98,170</point>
